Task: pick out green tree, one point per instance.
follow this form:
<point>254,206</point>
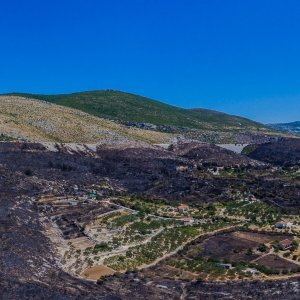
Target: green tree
<point>262,248</point>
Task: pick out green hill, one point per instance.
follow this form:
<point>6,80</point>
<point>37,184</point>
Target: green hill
<point>126,107</point>
<point>34,120</point>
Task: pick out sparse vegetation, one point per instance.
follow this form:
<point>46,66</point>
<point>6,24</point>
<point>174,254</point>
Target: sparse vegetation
<point>37,120</point>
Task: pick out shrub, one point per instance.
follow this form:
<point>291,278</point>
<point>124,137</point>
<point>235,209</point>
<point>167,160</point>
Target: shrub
<point>249,252</point>
<point>262,248</point>
<point>28,172</point>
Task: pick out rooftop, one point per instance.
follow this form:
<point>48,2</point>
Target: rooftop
<point>182,206</point>
<point>285,243</point>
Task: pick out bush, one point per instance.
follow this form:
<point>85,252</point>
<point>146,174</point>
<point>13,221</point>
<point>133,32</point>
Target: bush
<point>262,248</point>
<point>101,247</point>
<point>249,252</point>
<point>28,172</point>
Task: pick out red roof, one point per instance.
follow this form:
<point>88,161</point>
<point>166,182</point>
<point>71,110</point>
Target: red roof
<point>186,219</point>
<point>281,222</point>
<point>286,243</point>
<point>183,206</point>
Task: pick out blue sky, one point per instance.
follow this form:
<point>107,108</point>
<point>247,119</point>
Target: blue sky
<point>237,56</point>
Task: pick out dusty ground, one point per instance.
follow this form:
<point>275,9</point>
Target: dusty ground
<point>277,263</point>
<point>96,272</point>
<point>41,121</point>
<point>258,237</point>
<point>228,246</point>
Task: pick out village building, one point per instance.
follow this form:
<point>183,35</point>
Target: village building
<point>281,225</point>
<point>226,266</point>
<point>183,208</point>
<point>73,202</point>
<point>92,196</point>
<point>188,221</point>
<point>181,168</point>
<point>252,271</point>
<point>285,244</point>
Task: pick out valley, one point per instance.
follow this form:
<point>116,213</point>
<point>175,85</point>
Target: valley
<point>123,217</point>
<point>149,150</point>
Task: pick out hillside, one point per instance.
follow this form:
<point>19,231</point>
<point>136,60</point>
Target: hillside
<point>126,107</point>
<point>41,121</point>
<point>293,127</point>
<point>284,152</point>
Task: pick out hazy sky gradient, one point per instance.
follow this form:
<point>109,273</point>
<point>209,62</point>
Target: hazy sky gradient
<point>240,57</point>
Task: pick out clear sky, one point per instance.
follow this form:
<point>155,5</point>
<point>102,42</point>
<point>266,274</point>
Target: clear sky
<point>237,56</point>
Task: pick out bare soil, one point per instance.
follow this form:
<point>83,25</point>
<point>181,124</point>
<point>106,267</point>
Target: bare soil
<point>258,237</point>
<point>228,247</point>
<point>235,246</point>
<point>276,263</point>
<point>96,272</point>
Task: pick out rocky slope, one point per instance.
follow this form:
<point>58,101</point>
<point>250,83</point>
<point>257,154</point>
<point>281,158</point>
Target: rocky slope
<point>210,154</point>
<point>136,111</point>
<point>283,152</point>
<point>128,107</point>
<point>35,120</point>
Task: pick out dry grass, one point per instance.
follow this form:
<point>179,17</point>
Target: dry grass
<point>36,120</point>
<point>96,272</point>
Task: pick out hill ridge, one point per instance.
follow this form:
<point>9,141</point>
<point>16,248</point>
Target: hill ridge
<point>111,104</point>
<point>36,120</point>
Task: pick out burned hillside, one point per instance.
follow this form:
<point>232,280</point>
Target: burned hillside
<point>41,187</point>
<point>282,152</point>
<point>210,155</point>
<point>150,171</point>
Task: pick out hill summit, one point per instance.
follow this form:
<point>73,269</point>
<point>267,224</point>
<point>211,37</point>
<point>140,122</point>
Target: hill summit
<point>145,113</point>
<point>34,120</point>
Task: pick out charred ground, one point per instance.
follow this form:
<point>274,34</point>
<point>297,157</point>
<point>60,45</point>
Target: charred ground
<point>193,173</point>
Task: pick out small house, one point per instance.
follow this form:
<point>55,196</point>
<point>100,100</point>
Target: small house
<point>188,221</point>
<point>280,225</point>
<point>226,266</point>
<point>92,196</point>
<point>251,271</point>
<point>181,168</point>
<point>285,244</point>
<point>73,202</point>
<point>183,208</point>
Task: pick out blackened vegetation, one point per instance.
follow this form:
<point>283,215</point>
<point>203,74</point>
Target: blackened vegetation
<point>154,173</point>
<point>28,263</point>
<point>210,155</point>
<point>71,220</point>
<point>278,193</point>
<point>284,152</point>
<point>288,289</point>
